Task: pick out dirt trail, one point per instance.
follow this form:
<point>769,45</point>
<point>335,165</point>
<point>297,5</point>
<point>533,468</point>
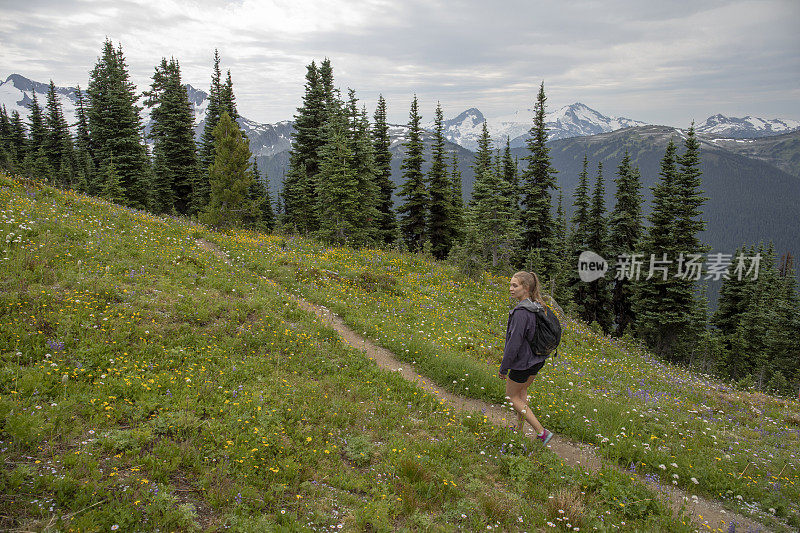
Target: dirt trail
<point>706,514</point>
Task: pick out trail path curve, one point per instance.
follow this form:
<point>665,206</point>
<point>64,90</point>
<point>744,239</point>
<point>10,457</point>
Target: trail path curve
<point>707,515</point>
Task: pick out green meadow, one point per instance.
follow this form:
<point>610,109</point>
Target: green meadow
<point>148,384</point>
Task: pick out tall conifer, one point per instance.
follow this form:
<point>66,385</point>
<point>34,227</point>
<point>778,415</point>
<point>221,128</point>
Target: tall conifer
<point>625,229</point>
<point>537,181</point>
<point>58,140</point>
<point>597,305</point>
<point>387,224</point>
<point>414,211</point>
<point>115,125</point>
<point>231,178</point>
<point>174,157</point>
<point>440,225</point>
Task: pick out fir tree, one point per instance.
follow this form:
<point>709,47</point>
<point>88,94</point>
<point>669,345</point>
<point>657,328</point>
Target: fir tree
<point>561,290</point>
<point>782,344</point>
<point>625,229</point>
<point>58,141</point>
<point>18,140</point>
<point>227,100</point>
<point>387,224</point>
<point>579,235</point>
<point>300,183</point>
<point>6,158</point>
<point>537,181</point>
<point>231,178</point>
<point>85,166</point>
<point>664,301</point>
<point>457,215</point>
<point>491,221</point>
<point>510,175</point>
<point>115,125</point>
<point>338,203</point>
<point>37,163</point>
<point>483,156</point>
<point>597,305</point>
<point>213,113</point>
<point>111,188</point>
<point>362,163</point>
<point>174,158</point>
<point>259,194</point>
<point>440,225</point>
<point>38,132</point>
<point>414,211</point>
<point>689,223</point>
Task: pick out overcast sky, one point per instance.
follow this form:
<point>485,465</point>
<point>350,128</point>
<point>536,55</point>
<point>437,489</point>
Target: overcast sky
<point>665,63</point>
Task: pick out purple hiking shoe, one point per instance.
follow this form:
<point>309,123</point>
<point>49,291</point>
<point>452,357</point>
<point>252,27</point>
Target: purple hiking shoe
<point>545,437</point>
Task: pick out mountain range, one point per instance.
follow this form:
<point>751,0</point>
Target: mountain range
<point>751,166</point>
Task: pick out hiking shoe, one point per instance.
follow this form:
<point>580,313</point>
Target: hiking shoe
<point>545,437</point>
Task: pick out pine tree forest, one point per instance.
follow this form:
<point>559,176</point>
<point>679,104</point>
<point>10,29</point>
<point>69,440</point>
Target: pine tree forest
<point>339,189</point>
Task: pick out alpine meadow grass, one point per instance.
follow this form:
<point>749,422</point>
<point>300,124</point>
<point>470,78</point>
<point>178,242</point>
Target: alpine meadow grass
<point>147,384</point>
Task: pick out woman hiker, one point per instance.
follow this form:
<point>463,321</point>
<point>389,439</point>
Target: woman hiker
<point>519,361</point>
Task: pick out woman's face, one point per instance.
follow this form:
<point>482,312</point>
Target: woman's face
<point>517,289</point>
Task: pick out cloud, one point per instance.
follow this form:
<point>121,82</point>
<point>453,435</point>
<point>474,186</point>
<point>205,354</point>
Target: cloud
<point>661,62</point>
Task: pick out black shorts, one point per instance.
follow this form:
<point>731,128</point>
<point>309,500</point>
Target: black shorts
<point>521,376</point>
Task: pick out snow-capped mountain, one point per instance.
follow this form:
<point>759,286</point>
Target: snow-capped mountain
<point>745,128</point>
<point>570,121</point>
<point>16,94</point>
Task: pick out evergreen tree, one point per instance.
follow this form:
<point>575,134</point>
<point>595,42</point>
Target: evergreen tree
<point>37,163</point>
<point>664,302</point>
<point>58,141</point>
<point>259,194</point>
<point>782,344</point>
<point>689,222</point>
<point>510,175</point>
<point>579,235</point>
<point>38,131</point>
<point>757,323</point>
<point>457,215</point>
<point>174,158</point>
<point>597,305</point>
<point>492,223</point>
<point>625,229</point>
<point>537,181</point>
<point>213,113</point>
<point>387,225</point>
<point>115,125</point>
<point>330,96</point>
<point>6,157</point>
<point>300,183</point>
<point>18,141</point>
<point>561,289</point>
<point>414,211</point>
<point>227,100</point>
<point>362,163</point>
<point>338,201</point>
<point>231,178</point>
<point>482,163</point>
<point>730,304</point>
<point>84,161</point>
<point>440,225</point>
<point>111,187</point>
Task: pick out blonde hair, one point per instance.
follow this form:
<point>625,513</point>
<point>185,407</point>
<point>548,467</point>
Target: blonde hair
<point>530,281</point>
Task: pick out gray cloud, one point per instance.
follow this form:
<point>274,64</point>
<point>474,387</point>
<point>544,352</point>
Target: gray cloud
<point>668,62</point>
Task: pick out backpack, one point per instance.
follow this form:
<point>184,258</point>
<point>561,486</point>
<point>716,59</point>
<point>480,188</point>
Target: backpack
<point>547,334</point>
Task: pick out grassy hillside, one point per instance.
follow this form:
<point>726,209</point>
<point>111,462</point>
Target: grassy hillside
<point>681,428</point>
<point>146,384</point>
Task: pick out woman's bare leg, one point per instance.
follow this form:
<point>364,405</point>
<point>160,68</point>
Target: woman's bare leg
<point>518,394</point>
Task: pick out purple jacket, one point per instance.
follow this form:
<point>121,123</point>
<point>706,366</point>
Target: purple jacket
<point>517,354</point>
